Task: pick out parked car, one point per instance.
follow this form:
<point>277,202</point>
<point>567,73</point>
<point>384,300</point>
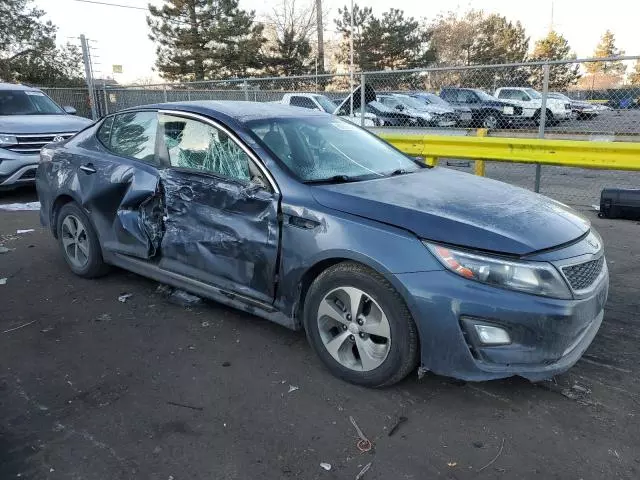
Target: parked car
<point>486,111</point>
<point>381,114</point>
<point>388,117</point>
<point>425,115</point>
<point>580,109</point>
<point>29,119</point>
<point>531,102</point>
<point>465,116</point>
<point>307,220</point>
<point>316,101</point>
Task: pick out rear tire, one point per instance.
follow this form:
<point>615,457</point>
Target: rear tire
<point>360,327</point>
<point>79,242</point>
<point>490,121</point>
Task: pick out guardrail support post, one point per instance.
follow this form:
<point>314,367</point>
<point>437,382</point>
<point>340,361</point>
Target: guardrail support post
<point>362,99</point>
<point>479,167</point>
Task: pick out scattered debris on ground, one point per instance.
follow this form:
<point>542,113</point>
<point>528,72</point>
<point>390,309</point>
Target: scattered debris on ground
<point>3,281</point>
<point>4,249</point>
<point>421,372</point>
<point>184,299</point>
<point>364,470</point>
<point>105,317</point>
<point>364,444</point>
<point>293,388</point>
<point>20,207</point>
<point>28,230</point>
<point>399,422</point>
<point>226,364</point>
<point>184,405</point>
<point>205,324</point>
<point>326,466</point>
<point>452,464</point>
<point>124,297</point>
<point>494,458</point>
<point>19,327</point>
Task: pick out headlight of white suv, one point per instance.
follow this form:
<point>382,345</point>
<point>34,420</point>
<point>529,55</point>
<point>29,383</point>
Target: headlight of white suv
<point>537,278</point>
<point>7,140</point>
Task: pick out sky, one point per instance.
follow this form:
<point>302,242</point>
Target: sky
<point>120,35</point>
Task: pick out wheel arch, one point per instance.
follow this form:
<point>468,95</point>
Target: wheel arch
<point>322,264</point>
<point>61,200</point>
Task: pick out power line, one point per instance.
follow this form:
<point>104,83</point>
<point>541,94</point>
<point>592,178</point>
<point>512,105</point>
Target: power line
<point>112,4</point>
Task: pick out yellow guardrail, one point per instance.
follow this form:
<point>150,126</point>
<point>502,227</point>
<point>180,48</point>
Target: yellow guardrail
<point>568,153</point>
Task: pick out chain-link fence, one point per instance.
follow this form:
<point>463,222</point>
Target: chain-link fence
<point>582,99</point>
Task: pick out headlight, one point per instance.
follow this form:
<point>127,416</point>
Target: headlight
<point>537,278</point>
<point>7,140</point>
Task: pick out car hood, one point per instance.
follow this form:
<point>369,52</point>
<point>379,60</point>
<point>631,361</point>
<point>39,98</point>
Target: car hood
<point>29,124</point>
<point>457,208</point>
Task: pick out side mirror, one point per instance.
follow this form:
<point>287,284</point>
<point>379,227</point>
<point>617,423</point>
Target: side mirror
<point>70,110</point>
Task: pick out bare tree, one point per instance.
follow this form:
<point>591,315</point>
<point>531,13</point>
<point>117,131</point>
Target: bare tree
<point>290,32</point>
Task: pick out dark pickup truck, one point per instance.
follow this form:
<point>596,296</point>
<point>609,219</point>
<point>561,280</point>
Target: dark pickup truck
<point>487,111</point>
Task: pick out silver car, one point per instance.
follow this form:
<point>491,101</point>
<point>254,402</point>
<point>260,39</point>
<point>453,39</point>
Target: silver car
<point>426,115</point>
<point>29,119</point>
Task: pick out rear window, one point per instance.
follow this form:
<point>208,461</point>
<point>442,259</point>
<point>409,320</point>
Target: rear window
<point>27,102</point>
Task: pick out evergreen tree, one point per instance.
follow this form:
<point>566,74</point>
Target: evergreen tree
<point>205,39</point>
<point>28,51</point>
<point>607,48</point>
<point>561,76</point>
<point>634,77</point>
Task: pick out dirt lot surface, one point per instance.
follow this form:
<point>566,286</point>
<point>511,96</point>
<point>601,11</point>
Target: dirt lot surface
<point>95,388</point>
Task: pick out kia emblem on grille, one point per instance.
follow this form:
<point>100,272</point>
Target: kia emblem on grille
<point>58,138</point>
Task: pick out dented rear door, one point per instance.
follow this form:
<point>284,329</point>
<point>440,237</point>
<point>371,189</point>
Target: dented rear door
<point>115,175</point>
<point>221,223</point>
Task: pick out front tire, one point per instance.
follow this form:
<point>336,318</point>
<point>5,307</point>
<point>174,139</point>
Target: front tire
<point>491,121</point>
<point>79,242</point>
<point>360,327</point>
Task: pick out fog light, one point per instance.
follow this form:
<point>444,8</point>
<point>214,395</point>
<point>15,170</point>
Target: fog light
<point>492,335</point>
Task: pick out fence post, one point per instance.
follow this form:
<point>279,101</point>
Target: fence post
<point>543,118</point>
<point>164,93</point>
<point>88,76</point>
<point>362,99</point>
<point>106,98</point>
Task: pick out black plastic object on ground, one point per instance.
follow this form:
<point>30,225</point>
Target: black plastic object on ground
<point>620,203</point>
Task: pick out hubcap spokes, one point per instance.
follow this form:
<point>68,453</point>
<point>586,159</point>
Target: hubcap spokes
<point>75,241</point>
<point>354,329</point>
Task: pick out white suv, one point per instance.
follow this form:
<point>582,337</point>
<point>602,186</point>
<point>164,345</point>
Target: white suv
<point>531,102</point>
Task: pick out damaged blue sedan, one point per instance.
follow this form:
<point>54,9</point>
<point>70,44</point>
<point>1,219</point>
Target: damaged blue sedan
<point>311,222</point>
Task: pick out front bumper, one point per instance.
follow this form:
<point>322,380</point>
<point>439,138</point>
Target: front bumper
<point>17,169</point>
<point>548,336</point>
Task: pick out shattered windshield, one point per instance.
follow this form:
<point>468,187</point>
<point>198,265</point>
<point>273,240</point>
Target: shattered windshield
<point>325,148</point>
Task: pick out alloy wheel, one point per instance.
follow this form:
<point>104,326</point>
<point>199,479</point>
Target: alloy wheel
<point>75,241</point>
<point>354,329</point>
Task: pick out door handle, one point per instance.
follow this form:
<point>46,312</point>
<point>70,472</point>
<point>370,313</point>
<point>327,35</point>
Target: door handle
<point>88,168</point>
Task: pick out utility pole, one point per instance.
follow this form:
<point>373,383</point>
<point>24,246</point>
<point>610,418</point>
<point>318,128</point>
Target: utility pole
<point>88,74</point>
<point>351,85</point>
<point>320,30</point>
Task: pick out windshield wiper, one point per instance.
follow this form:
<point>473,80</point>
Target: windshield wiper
<point>334,179</point>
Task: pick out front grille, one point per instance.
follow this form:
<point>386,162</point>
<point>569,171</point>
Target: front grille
<point>33,143</point>
<point>583,275</point>
<point>517,110</point>
<point>450,117</point>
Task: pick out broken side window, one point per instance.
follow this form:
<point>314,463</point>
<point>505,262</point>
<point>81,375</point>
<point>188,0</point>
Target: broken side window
<point>197,145</point>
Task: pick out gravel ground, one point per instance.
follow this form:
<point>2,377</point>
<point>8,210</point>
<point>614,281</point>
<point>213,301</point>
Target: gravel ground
<point>94,388</point>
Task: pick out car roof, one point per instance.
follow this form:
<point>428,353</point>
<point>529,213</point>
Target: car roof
<point>15,86</point>
<point>241,111</point>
